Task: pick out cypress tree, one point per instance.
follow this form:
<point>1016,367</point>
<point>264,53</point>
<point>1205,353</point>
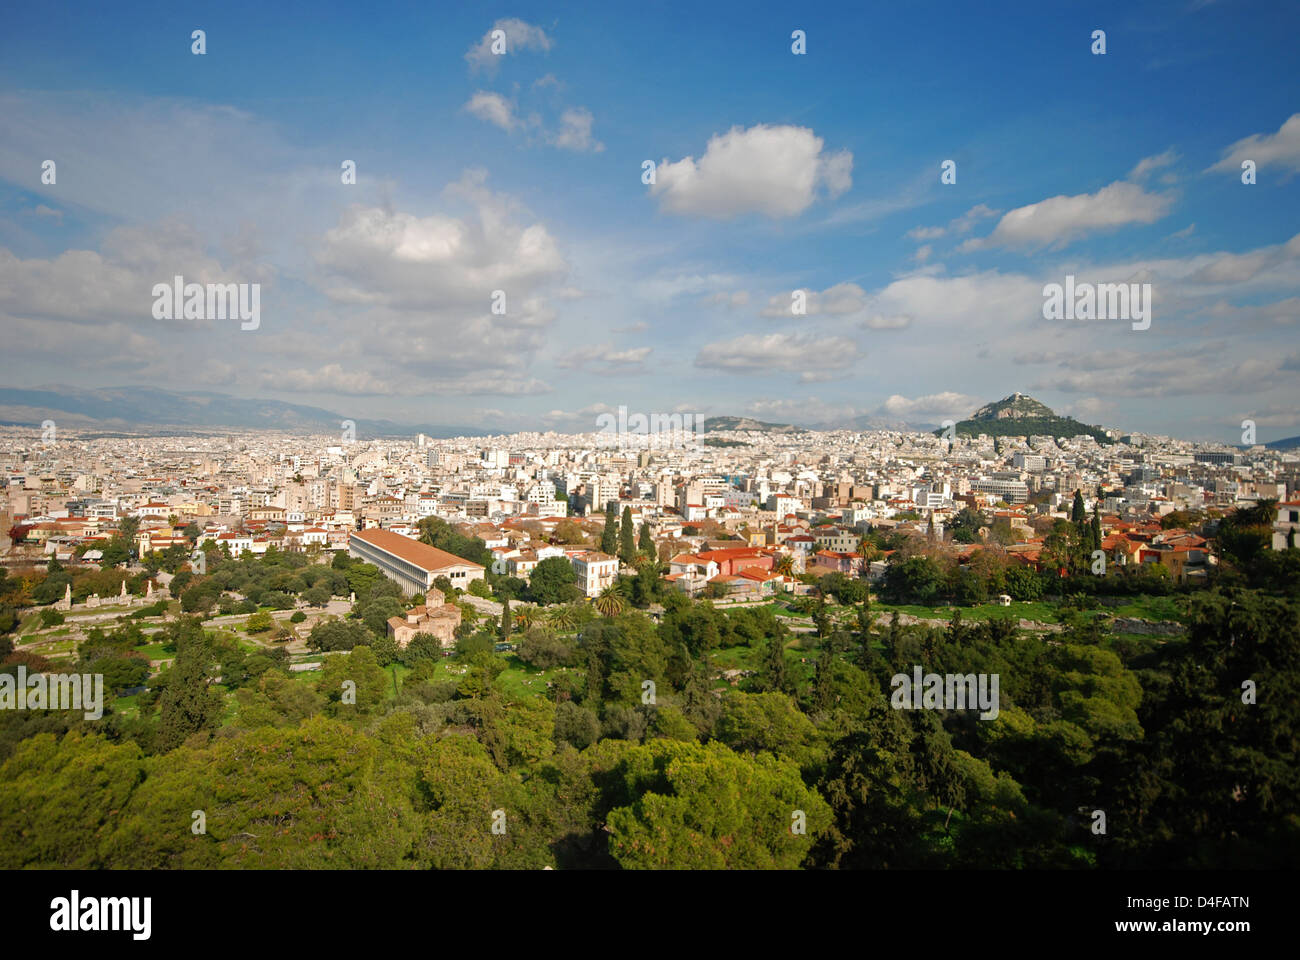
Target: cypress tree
<point>627,541</point>
<point>824,688</point>
<point>774,676</point>
<point>609,538</point>
<point>646,544</point>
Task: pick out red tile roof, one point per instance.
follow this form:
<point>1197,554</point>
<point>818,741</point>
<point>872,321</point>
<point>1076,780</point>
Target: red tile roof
<point>412,551</point>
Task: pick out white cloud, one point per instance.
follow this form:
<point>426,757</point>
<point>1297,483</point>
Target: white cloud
<point>87,286</point>
<point>493,108</point>
<point>575,132</point>
<point>813,357</point>
<point>772,170</point>
<point>407,261</point>
<point>1147,164</point>
<point>926,233</point>
<point>519,35</point>
<point>1203,369</point>
<point>1057,221</point>
<point>839,300</point>
<point>933,406</point>
<point>1281,149</point>
<point>605,359</point>
<point>958,225</point>
<point>737,298</point>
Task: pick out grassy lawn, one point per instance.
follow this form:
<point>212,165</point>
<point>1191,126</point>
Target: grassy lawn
<point>61,646</point>
<point>735,658</point>
<point>127,706</point>
<point>1151,608</point>
<point>520,681</point>
<point>781,610</point>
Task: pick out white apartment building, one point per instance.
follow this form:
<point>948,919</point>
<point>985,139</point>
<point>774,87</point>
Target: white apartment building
<point>595,571</point>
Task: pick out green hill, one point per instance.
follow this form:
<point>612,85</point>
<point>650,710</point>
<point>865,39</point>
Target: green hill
<point>1022,416</point>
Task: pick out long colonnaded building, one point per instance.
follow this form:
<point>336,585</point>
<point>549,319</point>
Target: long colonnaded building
<point>412,565</point>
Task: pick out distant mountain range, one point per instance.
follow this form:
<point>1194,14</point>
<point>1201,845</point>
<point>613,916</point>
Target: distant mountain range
<point>149,410</point>
<point>1021,416</point>
<point>713,424</point>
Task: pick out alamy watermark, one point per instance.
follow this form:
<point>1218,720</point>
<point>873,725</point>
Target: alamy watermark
<point>1101,301</point>
<point>76,913</point>
<point>657,431</point>
<point>214,301</point>
<point>951,691</point>
<point>53,691</point>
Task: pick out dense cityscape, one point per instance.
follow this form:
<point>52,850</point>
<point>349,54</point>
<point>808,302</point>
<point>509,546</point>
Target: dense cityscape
<point>538,602</point>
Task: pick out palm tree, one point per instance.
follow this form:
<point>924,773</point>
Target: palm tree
<point>784,565</point>
<point>564,618</point>
<point>527,617</point>
<point>610,601</point>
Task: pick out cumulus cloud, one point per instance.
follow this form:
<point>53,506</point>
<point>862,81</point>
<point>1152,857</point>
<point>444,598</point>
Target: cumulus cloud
<point>772,170</point>
<point>493,108</point>
<point>1177,372</point>
<point>406,260</point>
<point>1055,222</point>
<point>966,302</point>
<point>933,406</point>
<point>839,300</point>
<point>575,132</point>
<point>605,359</point>
<point>519,35</point>
<point>814,358</point>
<point>1281,149</point>
<point>116,281</point>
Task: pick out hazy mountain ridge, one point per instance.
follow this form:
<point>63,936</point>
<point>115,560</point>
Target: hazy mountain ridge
<point>714,424</point>
<point>150,410</point>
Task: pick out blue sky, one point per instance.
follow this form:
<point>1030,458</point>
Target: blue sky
<point>775,173</point>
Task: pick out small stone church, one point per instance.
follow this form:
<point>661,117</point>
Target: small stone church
<point>436,617</point>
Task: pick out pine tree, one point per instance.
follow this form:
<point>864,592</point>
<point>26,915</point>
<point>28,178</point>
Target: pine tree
<point>506,623</point>
<point>627,538</point>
